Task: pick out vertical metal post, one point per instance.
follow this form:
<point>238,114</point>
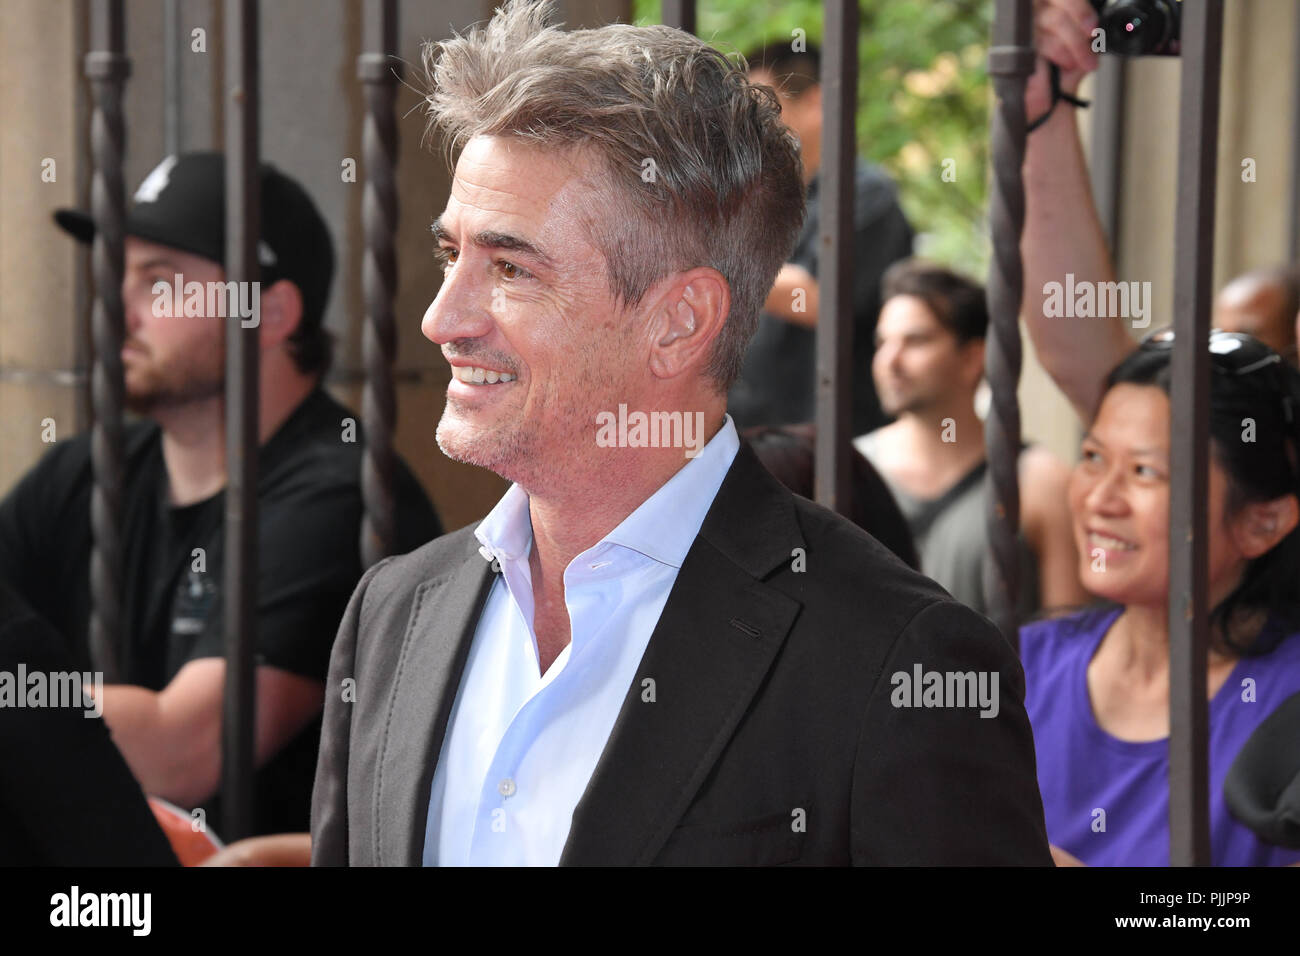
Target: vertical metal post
<point>172,77</point>
<point>107,68</point>
<point>1293,210</point>
<point>1107,153</point>
<point>680,14</point>
<point>1011,62</point>
<point>839,80</point>
<point>377,69</point>
<point>1198,136</point>
<point>243,229</point>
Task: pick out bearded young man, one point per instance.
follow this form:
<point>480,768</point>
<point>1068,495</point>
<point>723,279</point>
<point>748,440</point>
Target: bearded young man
<point>165,713</point>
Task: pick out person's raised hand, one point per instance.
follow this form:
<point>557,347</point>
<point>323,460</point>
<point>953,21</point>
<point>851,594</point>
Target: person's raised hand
<point>1062,35</point>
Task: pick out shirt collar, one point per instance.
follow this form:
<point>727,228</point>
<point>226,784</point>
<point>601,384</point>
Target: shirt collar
<point>507,531</point>
<point>663,527</point>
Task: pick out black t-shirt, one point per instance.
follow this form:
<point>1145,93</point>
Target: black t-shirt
<point>309,561</point>
<point>777,383</point>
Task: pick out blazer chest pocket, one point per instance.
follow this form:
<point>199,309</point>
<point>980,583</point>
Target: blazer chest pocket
<point>765,841</point>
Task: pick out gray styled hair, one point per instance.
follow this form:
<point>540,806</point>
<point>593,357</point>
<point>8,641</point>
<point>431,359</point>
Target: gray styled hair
<point>699,169</point>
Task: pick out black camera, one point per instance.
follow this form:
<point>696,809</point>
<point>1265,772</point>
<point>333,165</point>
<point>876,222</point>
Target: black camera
<point>1140,27</point>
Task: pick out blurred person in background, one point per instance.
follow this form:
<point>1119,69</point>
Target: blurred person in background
<point>777,381</point>
<point>928,364</point>
<point>67,798</point>
<point>165,714</point>
<point>789,452</point>
<point>1264,303</point>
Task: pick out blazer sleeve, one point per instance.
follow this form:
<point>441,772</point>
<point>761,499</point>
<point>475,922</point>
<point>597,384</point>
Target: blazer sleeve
<point>948,785</point>
<point>329,799</point>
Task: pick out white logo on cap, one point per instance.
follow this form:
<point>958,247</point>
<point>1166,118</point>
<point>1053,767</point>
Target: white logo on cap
<point>265,254</point>
<point>156,181</point>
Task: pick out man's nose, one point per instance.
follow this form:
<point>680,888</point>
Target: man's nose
<point>890,356</point>
<point>459,310</point>
<point>135,306</point>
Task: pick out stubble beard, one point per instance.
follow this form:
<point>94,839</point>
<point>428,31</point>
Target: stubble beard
<point>532,454</point>
<point>494,448</point>
<point>158,389</point>
<point>910,401</point>
<point>537,455</point>
<point>894,403</point>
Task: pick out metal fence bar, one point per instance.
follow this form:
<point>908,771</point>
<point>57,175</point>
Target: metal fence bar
<point>1106,160</point>
<point>107,68</point>
<point>680,14</point>
<point>172,77</point>
<point>1293,209</point>
<point>1198,129</point>
<point>1011,62</point>
<point>377,69</point>
<point>243,228</point>
<point>839,80</point>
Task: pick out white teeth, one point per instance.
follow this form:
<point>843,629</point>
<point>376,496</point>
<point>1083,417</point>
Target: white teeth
<point>480,376</point>
<point>1106,541</point>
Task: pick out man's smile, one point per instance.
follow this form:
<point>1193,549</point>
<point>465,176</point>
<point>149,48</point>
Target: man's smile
<point>477,375</point>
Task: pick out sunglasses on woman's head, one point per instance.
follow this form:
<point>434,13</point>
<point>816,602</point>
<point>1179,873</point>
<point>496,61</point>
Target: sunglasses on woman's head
<point>1234,352</point>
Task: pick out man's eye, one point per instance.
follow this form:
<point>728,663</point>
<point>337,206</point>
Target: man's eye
<point>446,256</point>
<point>512,271</point>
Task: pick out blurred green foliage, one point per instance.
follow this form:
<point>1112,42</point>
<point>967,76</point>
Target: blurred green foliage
<point>923,98</point>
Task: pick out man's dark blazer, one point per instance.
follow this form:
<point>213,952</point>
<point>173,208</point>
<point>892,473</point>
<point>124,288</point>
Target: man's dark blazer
<point>771,736</point>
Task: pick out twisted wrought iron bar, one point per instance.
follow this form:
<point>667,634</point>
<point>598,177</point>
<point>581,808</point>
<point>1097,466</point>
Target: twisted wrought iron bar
<point>1011,62</point>
<point>107,68</point>
<point>377,70</point>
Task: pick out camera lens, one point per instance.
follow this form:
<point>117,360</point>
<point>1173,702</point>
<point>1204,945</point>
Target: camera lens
<point>1139,27</point>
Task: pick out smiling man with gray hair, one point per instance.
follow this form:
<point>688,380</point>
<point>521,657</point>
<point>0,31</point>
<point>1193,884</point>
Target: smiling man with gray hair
<point>640,656</point>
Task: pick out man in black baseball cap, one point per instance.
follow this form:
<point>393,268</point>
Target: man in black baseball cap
<point>181,205</point>
<point>166,714</point>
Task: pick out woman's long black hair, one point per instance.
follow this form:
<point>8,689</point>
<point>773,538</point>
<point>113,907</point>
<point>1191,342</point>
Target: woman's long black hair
<point>1261,465</point>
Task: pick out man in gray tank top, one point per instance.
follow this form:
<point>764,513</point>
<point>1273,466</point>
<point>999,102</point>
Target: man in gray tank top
<point>928,363</point>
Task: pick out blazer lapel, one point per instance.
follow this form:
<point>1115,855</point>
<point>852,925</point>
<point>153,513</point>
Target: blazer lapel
<point>444,614</point>
<point>711,648</point>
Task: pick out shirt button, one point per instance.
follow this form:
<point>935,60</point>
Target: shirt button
<point>506,787</point>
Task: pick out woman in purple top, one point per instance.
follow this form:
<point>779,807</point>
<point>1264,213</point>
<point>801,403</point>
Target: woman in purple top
<point>1097,683</point>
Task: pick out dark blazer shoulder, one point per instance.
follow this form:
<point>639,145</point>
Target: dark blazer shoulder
<point>858,601</point>
<point>850,565</point>
<point>399,577</point>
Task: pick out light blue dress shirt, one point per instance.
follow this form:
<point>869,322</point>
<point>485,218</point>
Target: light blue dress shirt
<point>521,747</point>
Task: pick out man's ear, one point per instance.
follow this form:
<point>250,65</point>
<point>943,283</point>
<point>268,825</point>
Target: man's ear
<point>686,318</point>
<point>1262,524</point>
<point>281,312</point>
<point>812,97</point>
<point>972,354</point>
